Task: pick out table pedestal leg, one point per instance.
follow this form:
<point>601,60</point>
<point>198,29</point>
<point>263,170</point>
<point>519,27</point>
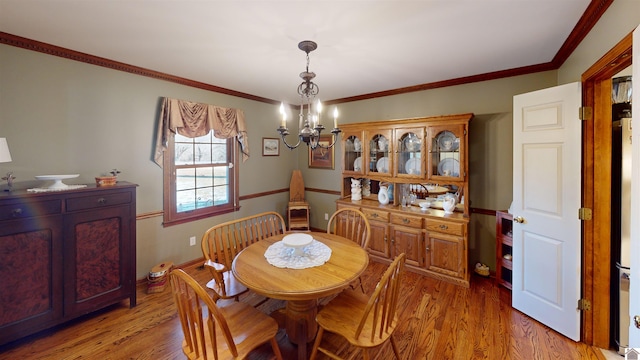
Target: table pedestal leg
<point>301,321</point>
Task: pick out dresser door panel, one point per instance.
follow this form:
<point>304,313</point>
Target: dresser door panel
<point>95,256</point>
<point>30,275</point>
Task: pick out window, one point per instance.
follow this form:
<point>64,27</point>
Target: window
<point>200,178</point>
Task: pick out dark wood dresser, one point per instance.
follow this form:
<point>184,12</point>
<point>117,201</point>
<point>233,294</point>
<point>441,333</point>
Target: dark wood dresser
<point>64,254</point>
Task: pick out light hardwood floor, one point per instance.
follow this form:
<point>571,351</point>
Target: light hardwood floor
<point>439,321</point>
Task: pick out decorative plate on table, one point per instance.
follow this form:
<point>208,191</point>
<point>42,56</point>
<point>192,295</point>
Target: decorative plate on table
<point>57,180</point>
<point>447,141</point>
<point>357,165</point>
<point>383,164</point>
<point>412,166</point>
<point>297,241</point>
<point>449,167</point>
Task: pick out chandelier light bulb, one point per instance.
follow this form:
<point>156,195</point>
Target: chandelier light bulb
<point>284,115</point>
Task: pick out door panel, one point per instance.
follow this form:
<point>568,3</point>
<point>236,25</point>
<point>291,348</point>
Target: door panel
<point>542,188</point>
<point>546,199</point>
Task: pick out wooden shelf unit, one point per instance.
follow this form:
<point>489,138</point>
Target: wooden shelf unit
<point>504,246</point>
<point>415,155</point>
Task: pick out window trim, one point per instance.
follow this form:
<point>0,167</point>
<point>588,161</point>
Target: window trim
<point>170,215</point>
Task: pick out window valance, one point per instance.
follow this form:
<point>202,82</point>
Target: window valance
<point>193,119</point>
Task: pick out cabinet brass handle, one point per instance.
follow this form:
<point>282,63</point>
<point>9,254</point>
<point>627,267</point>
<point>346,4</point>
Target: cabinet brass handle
<point>16,212</point>
<point>443,227</point>
<point>428,248</point>
<point>405,220</point>
<point>102,201</point>
<point>375,215</point>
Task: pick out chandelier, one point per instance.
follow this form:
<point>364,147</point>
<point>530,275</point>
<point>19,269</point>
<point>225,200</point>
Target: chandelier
<point>310,113</point>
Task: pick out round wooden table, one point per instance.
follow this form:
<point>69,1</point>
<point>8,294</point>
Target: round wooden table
<point>301,287</point>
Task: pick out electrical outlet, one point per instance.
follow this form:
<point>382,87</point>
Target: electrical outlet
<point>192,241</point>
<point>326,216</point>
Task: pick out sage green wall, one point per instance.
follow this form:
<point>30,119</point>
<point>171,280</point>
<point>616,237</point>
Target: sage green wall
<point>66,117</point>
<point>62,116</point>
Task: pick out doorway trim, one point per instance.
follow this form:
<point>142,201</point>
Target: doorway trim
<point>596,184</point>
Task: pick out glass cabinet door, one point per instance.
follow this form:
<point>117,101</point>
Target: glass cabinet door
<point>353,152</point>
<point>445,153</point>
<point>380,148</point>
<point>410,146</point>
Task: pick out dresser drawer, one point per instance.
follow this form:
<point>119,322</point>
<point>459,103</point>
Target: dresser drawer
<point>376,215</point>
<point>100,200</point>
<point>406,220</point>
<point>29,209</point>
<point>445,227</point>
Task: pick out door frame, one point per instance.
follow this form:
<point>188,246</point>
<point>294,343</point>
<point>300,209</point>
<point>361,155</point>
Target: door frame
<point>596,175</point>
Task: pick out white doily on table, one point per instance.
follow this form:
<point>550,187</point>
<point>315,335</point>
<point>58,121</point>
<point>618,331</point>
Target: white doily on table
<point>68,187</point>
<point>314,254</point>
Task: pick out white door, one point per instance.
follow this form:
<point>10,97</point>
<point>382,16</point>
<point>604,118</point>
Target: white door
<point>547,157</point>
<point>634,288</point>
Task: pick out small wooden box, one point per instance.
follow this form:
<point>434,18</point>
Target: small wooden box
<point>106,180</point>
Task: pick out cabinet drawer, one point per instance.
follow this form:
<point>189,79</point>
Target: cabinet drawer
<point>29,209</point>
<point>406,220</point>
<point>96,201</point>
<point>376,215</point>
<point>445,227</point>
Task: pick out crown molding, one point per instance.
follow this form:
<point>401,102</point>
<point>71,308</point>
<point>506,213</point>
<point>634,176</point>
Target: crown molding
<point>589,18</point>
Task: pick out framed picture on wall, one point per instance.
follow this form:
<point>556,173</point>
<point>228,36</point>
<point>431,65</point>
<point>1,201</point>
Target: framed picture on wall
<point>320,157</point>
<point>270,147</point>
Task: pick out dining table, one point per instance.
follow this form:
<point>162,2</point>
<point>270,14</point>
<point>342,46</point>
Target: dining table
<point>300,287</point>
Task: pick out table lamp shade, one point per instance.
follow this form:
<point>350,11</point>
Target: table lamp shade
<point>5,155</point>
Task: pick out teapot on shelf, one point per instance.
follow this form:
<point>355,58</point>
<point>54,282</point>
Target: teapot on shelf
<point>449,204</point>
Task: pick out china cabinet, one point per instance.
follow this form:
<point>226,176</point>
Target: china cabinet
<point>64,254</point>
<point>504,246</point>
<point>420,159</point>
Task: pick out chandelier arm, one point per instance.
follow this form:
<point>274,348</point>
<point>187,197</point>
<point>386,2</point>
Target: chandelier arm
<point>335,140</point>
<point>283,134</point>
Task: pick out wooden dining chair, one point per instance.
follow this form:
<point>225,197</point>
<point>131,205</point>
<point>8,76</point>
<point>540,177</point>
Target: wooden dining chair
<point>229,332</point>
<point>222,242</point>
<point>364,322</point>
<point>352,224</point>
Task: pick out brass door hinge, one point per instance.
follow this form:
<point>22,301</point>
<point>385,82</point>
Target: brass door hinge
<point>585,214</point>
<point>585,113</point>
<point>584,304</point>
